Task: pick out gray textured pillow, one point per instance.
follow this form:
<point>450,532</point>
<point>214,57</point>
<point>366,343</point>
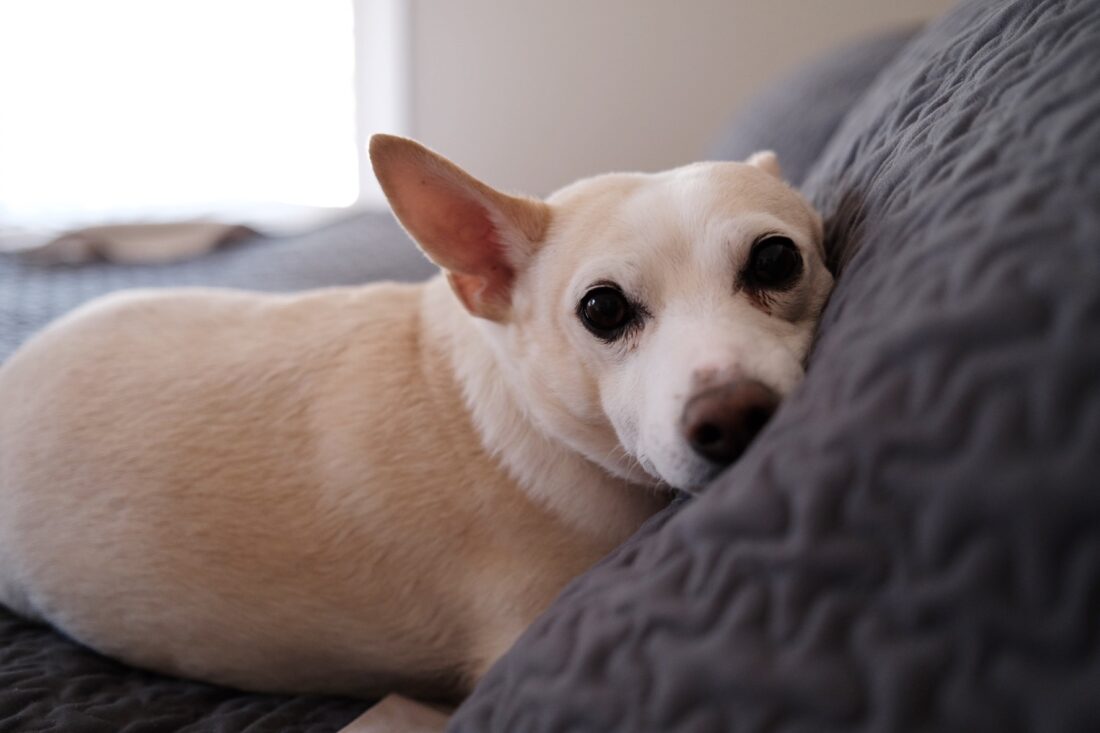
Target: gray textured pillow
<point>913,544</point>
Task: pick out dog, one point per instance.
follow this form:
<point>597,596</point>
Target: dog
<point>375,489</point>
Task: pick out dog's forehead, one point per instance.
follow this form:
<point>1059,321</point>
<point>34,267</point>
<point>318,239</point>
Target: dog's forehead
<point>680,207</point>
<point>713,189</point>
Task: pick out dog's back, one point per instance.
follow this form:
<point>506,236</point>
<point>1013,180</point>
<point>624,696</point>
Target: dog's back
<point>232,487</point>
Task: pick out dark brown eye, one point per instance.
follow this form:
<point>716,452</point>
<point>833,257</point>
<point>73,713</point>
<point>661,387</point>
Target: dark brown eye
<point>606,312</point>
<point>774,264</point>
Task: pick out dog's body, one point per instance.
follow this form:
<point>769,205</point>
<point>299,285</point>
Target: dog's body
<point>365,490</point>
<point>327,522</point>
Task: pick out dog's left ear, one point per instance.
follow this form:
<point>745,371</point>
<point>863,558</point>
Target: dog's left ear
<point>767,161</point>
<point>480,236</point>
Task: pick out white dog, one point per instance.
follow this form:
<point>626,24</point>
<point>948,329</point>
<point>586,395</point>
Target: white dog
<point>375,489</point>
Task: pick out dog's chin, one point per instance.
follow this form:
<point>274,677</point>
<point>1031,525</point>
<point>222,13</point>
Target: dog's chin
<point>697,483</point>
<point>630,468</point>
<point>688,474</point>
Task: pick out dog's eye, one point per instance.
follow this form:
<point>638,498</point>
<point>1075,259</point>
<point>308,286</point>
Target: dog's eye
<point>606,312</point>
<point>774,263</point>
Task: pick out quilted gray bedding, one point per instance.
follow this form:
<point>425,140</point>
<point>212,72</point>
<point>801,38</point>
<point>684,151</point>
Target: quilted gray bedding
<point>50,684</point>
<point>913,544</point>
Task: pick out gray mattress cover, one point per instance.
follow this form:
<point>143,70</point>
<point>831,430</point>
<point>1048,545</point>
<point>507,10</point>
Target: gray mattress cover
<point>913,544</point>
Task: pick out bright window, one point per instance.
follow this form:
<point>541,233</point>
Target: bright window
<point>114,109</point>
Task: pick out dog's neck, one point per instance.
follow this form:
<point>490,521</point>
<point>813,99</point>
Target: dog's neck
<point>578,491</point>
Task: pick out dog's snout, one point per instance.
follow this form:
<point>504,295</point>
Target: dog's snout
<point>721,421</point>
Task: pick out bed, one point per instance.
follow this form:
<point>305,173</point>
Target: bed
<point>912,544</point>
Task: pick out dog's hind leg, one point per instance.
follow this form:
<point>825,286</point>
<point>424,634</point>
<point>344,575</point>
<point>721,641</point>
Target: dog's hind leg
<point>397,714</point>
<point>12,594</point>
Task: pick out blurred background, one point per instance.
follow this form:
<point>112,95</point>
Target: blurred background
<point>258,110</point>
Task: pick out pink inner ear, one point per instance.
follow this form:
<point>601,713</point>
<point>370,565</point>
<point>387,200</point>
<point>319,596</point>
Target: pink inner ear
<point>457,231</point>
<point>477,259</point>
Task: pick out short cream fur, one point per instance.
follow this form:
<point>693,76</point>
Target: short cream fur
<point>376,489</point>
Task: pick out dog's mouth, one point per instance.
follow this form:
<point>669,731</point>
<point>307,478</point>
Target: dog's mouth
<point>672,468</point>
<point>635,467</point>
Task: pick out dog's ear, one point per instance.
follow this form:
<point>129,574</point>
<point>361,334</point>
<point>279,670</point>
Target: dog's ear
<point>480,236</point>
<point>767,161</point>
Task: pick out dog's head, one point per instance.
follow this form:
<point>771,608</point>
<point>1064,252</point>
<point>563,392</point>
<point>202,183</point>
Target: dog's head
<point>652,322</point>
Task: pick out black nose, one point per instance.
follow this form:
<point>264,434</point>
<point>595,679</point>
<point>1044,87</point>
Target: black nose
<point>720,422</point>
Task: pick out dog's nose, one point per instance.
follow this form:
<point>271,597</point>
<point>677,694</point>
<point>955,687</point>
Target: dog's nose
<point>720,422</point>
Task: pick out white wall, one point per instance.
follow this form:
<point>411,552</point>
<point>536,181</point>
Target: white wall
<point>531,94</point>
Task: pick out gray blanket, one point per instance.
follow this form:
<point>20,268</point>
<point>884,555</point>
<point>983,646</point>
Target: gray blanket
<point>48,683</point>
<point>913,544</point>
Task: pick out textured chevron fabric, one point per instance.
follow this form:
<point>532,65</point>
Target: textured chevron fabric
<point>913,544</point>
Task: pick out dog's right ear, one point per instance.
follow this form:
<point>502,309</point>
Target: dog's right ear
<point>767,161</point>
<point>480,236</point>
